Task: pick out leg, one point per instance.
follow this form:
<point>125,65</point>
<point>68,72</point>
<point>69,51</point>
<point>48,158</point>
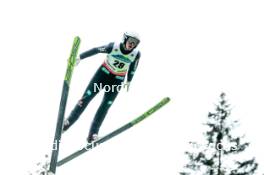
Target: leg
<point>88,95</point>
<point>108,100</point>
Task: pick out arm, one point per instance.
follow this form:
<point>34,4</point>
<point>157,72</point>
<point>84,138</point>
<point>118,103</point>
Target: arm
<point>132,69</point>
<point>103,49</point>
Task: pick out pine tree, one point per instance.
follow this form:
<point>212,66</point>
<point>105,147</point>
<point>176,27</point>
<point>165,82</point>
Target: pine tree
<point>219,155</point>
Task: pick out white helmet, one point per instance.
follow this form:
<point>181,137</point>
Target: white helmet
<point>131,35</point>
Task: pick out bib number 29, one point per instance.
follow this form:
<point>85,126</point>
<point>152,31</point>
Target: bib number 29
<point>118,64</point>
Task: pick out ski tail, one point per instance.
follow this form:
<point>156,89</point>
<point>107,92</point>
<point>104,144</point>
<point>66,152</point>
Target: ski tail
<point>115,132</point>
<point>63,102</point>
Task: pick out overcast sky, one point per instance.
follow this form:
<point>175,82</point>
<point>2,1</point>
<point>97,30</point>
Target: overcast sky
<point>191,51</point>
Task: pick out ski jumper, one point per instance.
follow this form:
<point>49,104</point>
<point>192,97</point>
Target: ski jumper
<point>118,63</point>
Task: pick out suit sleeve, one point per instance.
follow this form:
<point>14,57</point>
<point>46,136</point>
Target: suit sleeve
<point>103,49</point>
<point>133,67</point>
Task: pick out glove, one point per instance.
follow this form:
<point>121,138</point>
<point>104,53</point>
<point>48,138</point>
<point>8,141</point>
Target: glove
<point>126,85</point>
<point>78,60</point>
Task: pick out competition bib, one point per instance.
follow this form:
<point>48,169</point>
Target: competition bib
<point>117,62</point>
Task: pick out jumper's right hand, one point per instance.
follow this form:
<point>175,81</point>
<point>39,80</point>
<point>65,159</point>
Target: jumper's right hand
<point>126,85</point>
<point>78,60</point>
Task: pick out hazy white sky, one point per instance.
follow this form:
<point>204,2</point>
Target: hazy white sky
<point>191,52</point>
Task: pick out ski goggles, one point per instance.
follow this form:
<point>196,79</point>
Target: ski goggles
<point>133,41</point>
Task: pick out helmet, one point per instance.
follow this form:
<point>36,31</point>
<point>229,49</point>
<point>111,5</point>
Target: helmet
<point>128,35</point>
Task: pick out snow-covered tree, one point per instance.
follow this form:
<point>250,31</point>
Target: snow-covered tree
<point>221,151</point>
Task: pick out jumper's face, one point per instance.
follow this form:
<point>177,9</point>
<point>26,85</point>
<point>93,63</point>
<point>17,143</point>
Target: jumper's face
<point>131,43</point>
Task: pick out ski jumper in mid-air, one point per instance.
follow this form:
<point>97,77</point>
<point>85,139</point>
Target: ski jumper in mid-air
<point>121,61</point>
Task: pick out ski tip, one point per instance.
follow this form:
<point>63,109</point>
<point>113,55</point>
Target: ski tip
<point>77,38</point>
<point>166,99</point>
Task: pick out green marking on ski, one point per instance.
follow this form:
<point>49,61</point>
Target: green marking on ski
<point>72,59</point>
<point>151,111</point>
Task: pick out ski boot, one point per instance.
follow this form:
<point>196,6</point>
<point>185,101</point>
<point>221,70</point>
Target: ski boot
<point>66,126</point>
<point>92,138</point>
